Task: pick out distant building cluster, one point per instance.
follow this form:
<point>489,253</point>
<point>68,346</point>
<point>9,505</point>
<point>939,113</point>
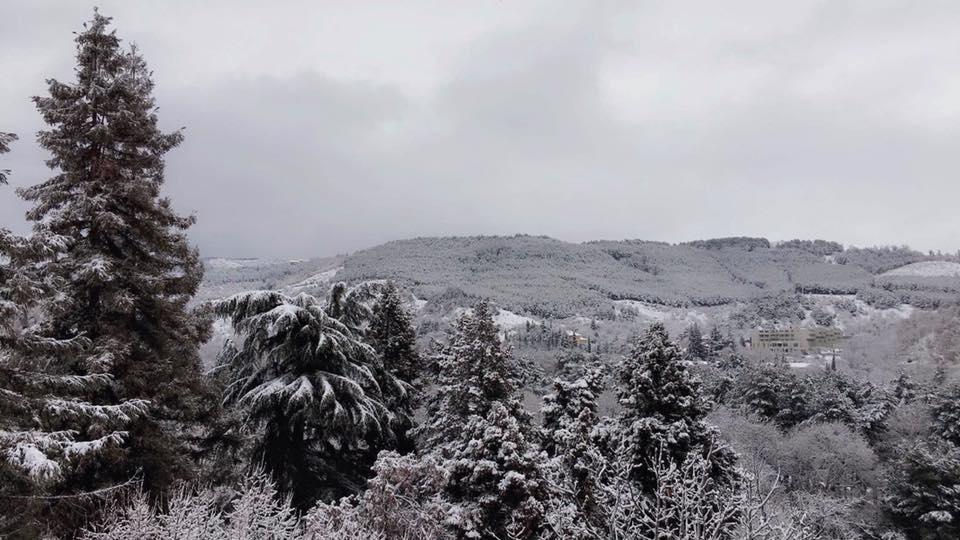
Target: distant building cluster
<point>794,341</point>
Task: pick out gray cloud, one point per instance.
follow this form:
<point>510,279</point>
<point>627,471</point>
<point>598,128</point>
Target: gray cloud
<point>315,128</point>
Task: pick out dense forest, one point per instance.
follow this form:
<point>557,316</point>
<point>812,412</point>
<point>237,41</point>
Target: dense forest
<point>326,416</point>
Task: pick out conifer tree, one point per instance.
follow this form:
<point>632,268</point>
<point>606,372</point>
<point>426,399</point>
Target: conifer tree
<point>696,350</point>
<point>315,396</point>
<point>43,405</point>
<point>663,412</point>
<point>474,372</point>
<point>904,388</point>
<point>392,335</point>
<point>5,140</point>
<point>573,401</point>
<point>923,497</point>
<point>946,415</point>
<point>126,268</point>
<point>569,421</point>
<point>496,488</point>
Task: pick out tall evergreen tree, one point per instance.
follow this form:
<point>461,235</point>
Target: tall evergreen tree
<point>479,429</point>
<point>569,421</point>
<point>946,414</point>
<point>923,498</point>
<point>696,349</point>
<point>43,405</point>
<point>126,267</point>
<point>315,396</point>
<point>475,371</point>
<point>663,412</point>
<point>392,335</point>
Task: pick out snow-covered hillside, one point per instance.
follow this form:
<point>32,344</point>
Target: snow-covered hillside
<point>927,269</point>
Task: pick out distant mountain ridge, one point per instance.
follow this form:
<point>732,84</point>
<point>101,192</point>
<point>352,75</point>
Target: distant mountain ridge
<point>550,278</point>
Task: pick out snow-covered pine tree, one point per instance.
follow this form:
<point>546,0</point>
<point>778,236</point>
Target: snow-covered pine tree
<point>923,498</point>
<point>48,424</point>
<point>572,402</point>
<point>569,420</point>
<point>946,414</point>
<point>905,389</point>
<point>478,427</point>
<point>316,396</point>
<point>716,338</point>
<point>663,412</point>
<point>127,270</point>
<point>392,335</point>
<point>475,371</point>
<point>5,140</point>
<point>696,349</point>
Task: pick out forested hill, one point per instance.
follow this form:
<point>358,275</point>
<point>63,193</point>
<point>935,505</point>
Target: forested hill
<point>552,278</point>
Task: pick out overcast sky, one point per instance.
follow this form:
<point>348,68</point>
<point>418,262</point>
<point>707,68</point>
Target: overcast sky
<point>314,128</point>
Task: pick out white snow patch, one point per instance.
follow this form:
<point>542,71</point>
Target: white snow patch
<point>903,311</point>
<point>315,280</point>
<point>507,319</point>
<point>642,309</point>
<point>227,263</point>
<point>418,303</point>
<point>927,269</point>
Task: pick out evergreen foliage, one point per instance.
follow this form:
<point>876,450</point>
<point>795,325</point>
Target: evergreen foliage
<point>946,414</point>
<point>477,426</point>
<point>5,140</point>
<point>924,499</point>
<point>392,335</point>
<point>696,349</point>
<point>475,371</point>
<point>570,420</point>
<point>124,267</point>
<point>52,420</point>
<point>316,395</point>
<point>663,412</point>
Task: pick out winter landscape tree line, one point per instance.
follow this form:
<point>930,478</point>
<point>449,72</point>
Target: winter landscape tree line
<point>322,418</point>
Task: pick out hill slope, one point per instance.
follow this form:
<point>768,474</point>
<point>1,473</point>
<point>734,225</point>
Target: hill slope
<point>551,278</point>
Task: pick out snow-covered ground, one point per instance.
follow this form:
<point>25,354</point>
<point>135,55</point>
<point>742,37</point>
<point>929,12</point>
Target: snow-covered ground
<point>903,311</point>
<point>316,280</point>
<point>927,269</point>
<point>651,312</point>
<point>507,319</point>
<point>418,303</point>
<point>642,309</point>
<point>220,262</point>
<point>504,319</point>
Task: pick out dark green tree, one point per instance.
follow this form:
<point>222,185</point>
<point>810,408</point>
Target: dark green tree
<point>478,427</point>
<point>946,414</point>
<point>663,412</point>
<point>475,371</point>
<point>569,420</point>
<point>126,268</point>
<point>696,349</point>
<point>5,140</point>
<point>923,496</point>
<point>314,395</point>
<point>392,335</point>
<point>50,421</point>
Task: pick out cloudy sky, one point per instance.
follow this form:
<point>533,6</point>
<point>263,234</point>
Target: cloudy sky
<point>314,128</point>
